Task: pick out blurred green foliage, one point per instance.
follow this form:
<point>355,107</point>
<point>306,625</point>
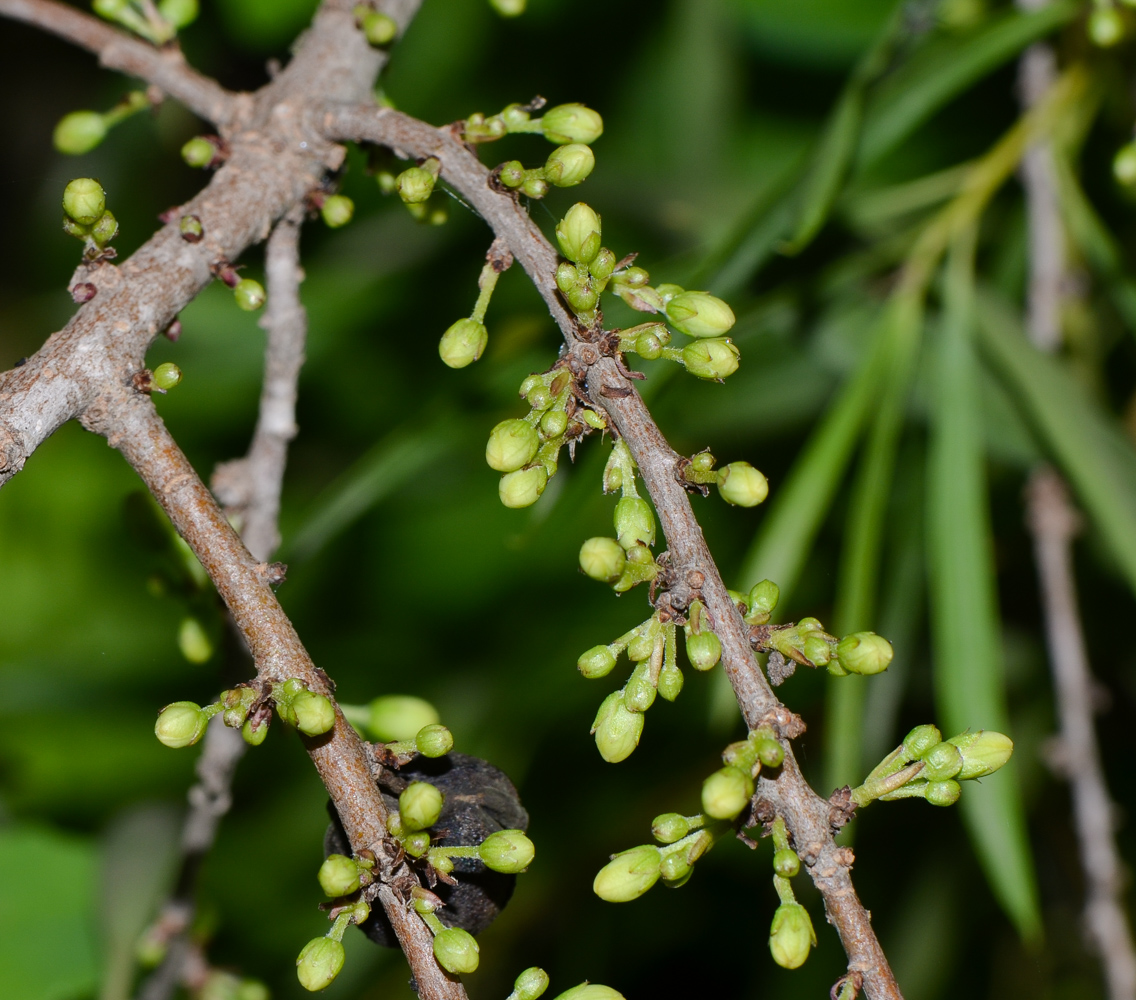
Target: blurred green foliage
<point>407,575</point>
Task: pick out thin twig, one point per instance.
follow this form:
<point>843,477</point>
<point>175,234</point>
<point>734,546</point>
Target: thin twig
<point>692,568</point>
<point>166,67</point>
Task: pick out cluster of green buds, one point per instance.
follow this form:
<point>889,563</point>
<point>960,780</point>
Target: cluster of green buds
<point>739,483</point>
<point>727,792</point>
<point>81,131</point>
<point>925,766</point>
<point>527,449</point>
<point>589,267</point>
<point>378,28</point>
<point>248,293</point>
<point>296,704</point>
<point>1107,24</point>
<point>156,22</point>
<point>684,840</point>
<point>86,216</point>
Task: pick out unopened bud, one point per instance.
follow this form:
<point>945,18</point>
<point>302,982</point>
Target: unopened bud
<point>703,649</point>
<point>763,598</point>
<point>582,297</point>
<point>568,165</point>
<point>942,793</point>
<point>512,445</point>
<point>634,522</point>
<point>338,875</point>
<point>921,739</point>
<point>579,234</point>
<point>712,358</point>
<point>434,741</point>
<point>319,963</point>
<point>942,761</point>
<point>249,294</point>
<point>726,793</point>
<point>105,230</point>
<point>84,200</point>
<point>337,210</point>
<point>982,752</point>
<point>741,484</point>
<point>791,935</point>
<point>596,662</point>
<point>786,863</point>
<point>379,29</point>
<point>531,983</point>
<point>254,732</point>
<point>79,132</point>
<point>400,717</point>
<point>603,265</point>
<point>670,681</point>
<point>602,559</point>
<point>166,376</point>
<point>415,185</point>
<point>179,13</point>
<point>571,123</point>
<point>523,487</point>
<point>617,730</point>
<point>420,805</point>
<point>699,314</point>
<point>191,229</point>
<point>314,713</point>
<point>456,951</point>
<point>463,343</point>
<point>590,991</point>
<point>553,423</point>
<point>508,851</point>
<point>864,653</point>
<point>769,752</point>
<point>628,875</point>
<point>181,724</point>
<point>675,868</point>
<point>416,844</point>
<point>669,827</point>
<point>199,152</point>
<point>534,185</point>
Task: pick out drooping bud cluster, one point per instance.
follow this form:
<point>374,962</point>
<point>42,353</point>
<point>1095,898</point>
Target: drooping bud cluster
<point>158,23</point>
<point>87,218</point>
<point>928,767</point>
<point>81,131</point>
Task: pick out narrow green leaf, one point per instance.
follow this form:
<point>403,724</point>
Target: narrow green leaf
<point>966,630</point>
<point>1083,440</point>
<point>943,69</point>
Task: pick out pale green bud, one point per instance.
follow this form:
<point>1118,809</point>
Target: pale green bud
<point>669,827</point>
<point>596,662</point>
<point>590,991</point>
<point>817,650</point>
<point>769,752</point>
<point>582,297</point>
<point>530,984</point>
<point>667,292</point>
<point>647,346</point>
<point>534,185</point>
<point>726,793</point>
<point>456,951</point>
<point>786,863</point>
<point>675,867</point>
<point>512,445</point>
<point>602,559</point>
<point>569,165</point>
<point>699,314</point>
<point>400,717</point>
<point>634,522</point>
<point>641,646</point>
<point>763,598</point>
<point>670,681</point>
<point>84,200</point>
<point>523,487</point>
<point>463,343</point>
<point>508,851</point>
<point>943,793</point>
<point>379,29</point>
<point>617,730</point>
<point>417,843</point>
<point>254,736</point>
<point>415,185</point>
<point>639,694</point>
<point>199,152</point>
<point>921,739</point>
<point>249,294</point>
<point>166,376</point>
<point>512,173</point>
<point>628,875</point>
<point>553,423</point>
<point>420,805</point>
<point>338,875</point>
<point>79,132</point>
<point>942,761</point>
<point>434,741</point>
<point>179,13</point>
<point>567,277</point>
<point>181,724</point>
<point>1106,26</point>
<point>864,653</point>
<point>337,210</point>
<point>741,484</point>
<point>791,935</point>
<point>982,752</point>
<point>571,123</point>
<point>603,265</point>
<point>579,234</point>
<point>105,230</point>
<point>314,713</point>
<point>703,649</point>
<point>1123,164</point>
<point>713,359</point>
<point>319,963</point>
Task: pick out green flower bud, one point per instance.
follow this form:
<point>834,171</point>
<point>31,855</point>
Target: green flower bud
<point>647,346</point>
<point>942,761</point>
<point>319,963</point>
<point>456,951</point>
<point>420,805</point>
<point>79,132</point>
<point>634,522</point>
<point>553,423</point>
<point>628,875</point>
<point>463,343</point>
<point>254,736</point>
<point>669,827</point>
<point>508,851</point>
<point>582,297</point>
<point>699,314</point>
<point>769,752</point>
<point>511,173</point>
<point>415,185</point>
<point>534,185</point>
<point>512,445</point>
<point>237,702</point>
<point>982,752</point>
<point>191,229</point>
<point>531,983</point>
<point>741,484</point>
<point>617,730</point>
<point>569,165</point>
<point>943,793</point>
<point>726,793</point>
<point>417,843</point>
<point>379,29</point>
<point>670,681</point>
<point>641,646</point>
<point>1106,26</point>
<point>314,713</point>
<point>791,935</point>
<point>400,717</point>
<point>864,653</point>
<point>639,694</point>
<point>786,863</point>
<point>249,294</point>
<point>166,376</point>
<point>596,662</point>
<point>590,991</point>
<point>921,739</point>
<point>337,210</point>
<point>434,741</point>
<point>703,649</point>
<point>181,724</point>
<point>1123,164</point>
<point>338,875</point>
<point>578,233</point>
<point>602,559</point>
<point>523,487</point>
<point>571,123</point>
<point>817,650</point>
<point>179,13</point>
<point>442,863</point>
<point>715,359</point>
<point>667,292</point>
<point>105,230</point>
<point>512,8</point>
<point>84,200</point>
<point>763,598</point>
<point>675,868</point>
<point>567,277</point>
<point>199,152</point>
<point>603,265</point>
